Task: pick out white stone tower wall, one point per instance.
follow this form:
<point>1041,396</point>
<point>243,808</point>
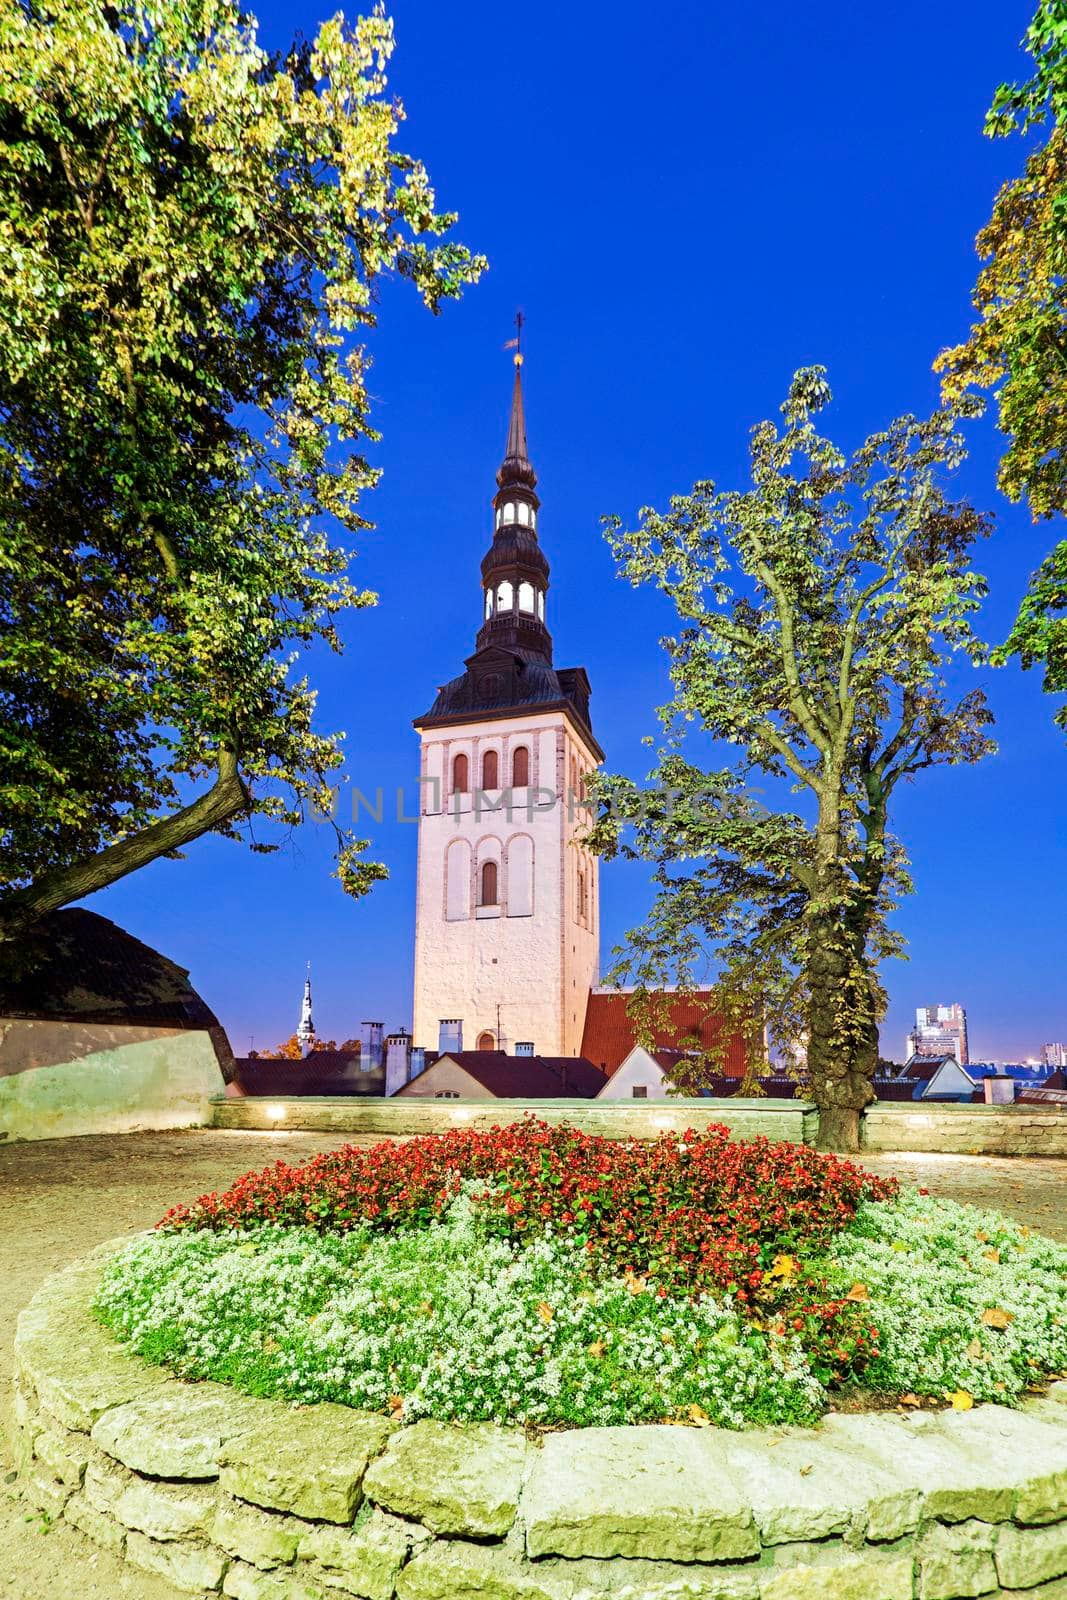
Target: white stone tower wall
<point>532,954</point>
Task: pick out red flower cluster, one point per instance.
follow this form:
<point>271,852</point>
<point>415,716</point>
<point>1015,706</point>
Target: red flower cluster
<point>684,1212</point>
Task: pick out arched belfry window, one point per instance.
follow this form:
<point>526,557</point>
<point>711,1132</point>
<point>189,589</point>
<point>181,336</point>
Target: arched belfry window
<point>533,518</point>
<point>524,513</point>
<point>498,516</point>
<point>490,780</point>
<point>520,768</point>
<point>505,596</point>
<point>526,597</point>
<point>488,885</point>
<point>486,1041</point>
<point>461,775</point>
<point>488,604</point>
<point>509,511</point>
<point>541,604</point>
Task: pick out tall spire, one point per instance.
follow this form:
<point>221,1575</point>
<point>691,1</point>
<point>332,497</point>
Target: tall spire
<point>306,1032</point>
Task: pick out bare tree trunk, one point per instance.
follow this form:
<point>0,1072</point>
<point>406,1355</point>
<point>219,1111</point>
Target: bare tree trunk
<point>226,799</point>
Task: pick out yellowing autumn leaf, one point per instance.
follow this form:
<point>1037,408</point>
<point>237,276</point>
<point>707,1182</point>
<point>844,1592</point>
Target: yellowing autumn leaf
<point>634,1284</point>
<point>396,1402</point>
<point>975,1350</point>
<point>859,1291</point>
<point>991,1255</point>
<point>544,1311</point>
<point>784,1267</point>
<point>597,1348</point>
<point>910,1400</point>
<point>961,1400</point>
<point>996,1317</point>
<point>698,1415</point>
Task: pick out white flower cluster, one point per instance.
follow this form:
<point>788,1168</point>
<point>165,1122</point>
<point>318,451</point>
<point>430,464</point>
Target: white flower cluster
<point>964,1300</point>
<point>446,1322</point>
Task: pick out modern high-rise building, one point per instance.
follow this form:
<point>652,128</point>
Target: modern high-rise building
<point>1054,1055</point>
<point>507,913</point>
<point>938,1031</point>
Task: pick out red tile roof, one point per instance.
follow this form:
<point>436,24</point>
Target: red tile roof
<point>507,1077</point>
<point>610,1035</point>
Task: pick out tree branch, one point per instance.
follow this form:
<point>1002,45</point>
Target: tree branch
<point>226,799</point>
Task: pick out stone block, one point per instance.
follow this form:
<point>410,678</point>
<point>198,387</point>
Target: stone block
<point>366,1559</point>
<point>177,1432</point>
<point>193,1568</point>
<point>1056,1590</point>
<point>1026,1557</point>
<point>454,1570</point>
<point>248,1583</point>
<point>100,1529</point>
<point>44,1493</point>
<point>104,1482</point>
<point>850,1577</point>
<point>657,1492</point>
<point>803,1486</point>
<point>62,1354</point>
<point>455,1479</point>
<point>957,1562</point>
<point>262,1538</point>
<point>310,1461</point>
<point>61,1455</point>
<point>165,1510</point>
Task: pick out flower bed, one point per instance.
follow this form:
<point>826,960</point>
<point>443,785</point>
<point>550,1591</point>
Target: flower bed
<point>539,1275</point>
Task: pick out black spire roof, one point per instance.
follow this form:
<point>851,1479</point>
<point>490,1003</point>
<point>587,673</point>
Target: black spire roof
<point>511,668</point>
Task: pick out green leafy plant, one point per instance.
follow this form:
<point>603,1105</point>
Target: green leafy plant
<point>193,231</point>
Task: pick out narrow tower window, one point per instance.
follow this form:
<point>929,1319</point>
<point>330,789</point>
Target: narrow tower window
<point>520,768</point>
<point>498,516</point>
<point>505,596</point>
<point>541,604</point>
<point>491,780</point>
<point>526,597</point>
<point>524,513</point>
<point>460,775</point>
<point>509,511</point>
<point>533,518</point>
<point>488,885</point>
<point>488,604</point>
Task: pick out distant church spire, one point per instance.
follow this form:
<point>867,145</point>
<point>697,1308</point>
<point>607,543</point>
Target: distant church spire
<point>306,1032</point>
<point>514,569</point>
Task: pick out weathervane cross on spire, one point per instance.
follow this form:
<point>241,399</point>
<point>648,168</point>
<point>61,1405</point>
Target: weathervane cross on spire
<point>516,343</point>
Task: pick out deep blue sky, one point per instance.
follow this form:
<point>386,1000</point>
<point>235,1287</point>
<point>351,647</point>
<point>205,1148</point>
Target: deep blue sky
<point>688,201</point>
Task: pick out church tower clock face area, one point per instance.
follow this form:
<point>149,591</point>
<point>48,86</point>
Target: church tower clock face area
<point>507,924</point>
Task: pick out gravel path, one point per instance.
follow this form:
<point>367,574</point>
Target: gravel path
<point>59,1198</point>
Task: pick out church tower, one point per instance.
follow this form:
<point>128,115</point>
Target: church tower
<point>508,920</point>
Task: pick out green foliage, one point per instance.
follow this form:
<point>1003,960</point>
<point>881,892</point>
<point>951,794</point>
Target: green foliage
<point>190,235</point>
<point>818,610</point>
<point>445,1321</point>
<point>1016,348</point>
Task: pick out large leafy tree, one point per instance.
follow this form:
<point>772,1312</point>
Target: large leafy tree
<point>190,235</point>
<point>1018,347</point>
<point>818,610</point>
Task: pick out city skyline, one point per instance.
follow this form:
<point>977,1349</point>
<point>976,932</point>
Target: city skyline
<point>626,410</point>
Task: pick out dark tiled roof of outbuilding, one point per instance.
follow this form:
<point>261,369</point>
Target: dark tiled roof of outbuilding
<point>323,1072</point>
<point>530,1077</point>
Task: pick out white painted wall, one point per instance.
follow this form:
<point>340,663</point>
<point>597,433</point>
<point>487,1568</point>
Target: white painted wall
<point>637,1071</point>
<point>530,954</point>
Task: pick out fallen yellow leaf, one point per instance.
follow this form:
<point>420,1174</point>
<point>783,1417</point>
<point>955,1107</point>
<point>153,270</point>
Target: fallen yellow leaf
<point>991,1255</point>
<point>961,1400</point>
<point>996,1317</point>
<point>910,1400</point>
<point>597,1348</point>
<point>784,1267</point>
<point>396,1402</point>
<point>859,1291</point>
<point>805,1470</point>
<point>544,1311</point>
<point>975,1350</point>
<point>698,1415</point>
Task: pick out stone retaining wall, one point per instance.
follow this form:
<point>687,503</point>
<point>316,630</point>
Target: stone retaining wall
<point>968,1130</point>
<point>1018,1130</point>
<point>265,1501</point>
<point>796,1120</point>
